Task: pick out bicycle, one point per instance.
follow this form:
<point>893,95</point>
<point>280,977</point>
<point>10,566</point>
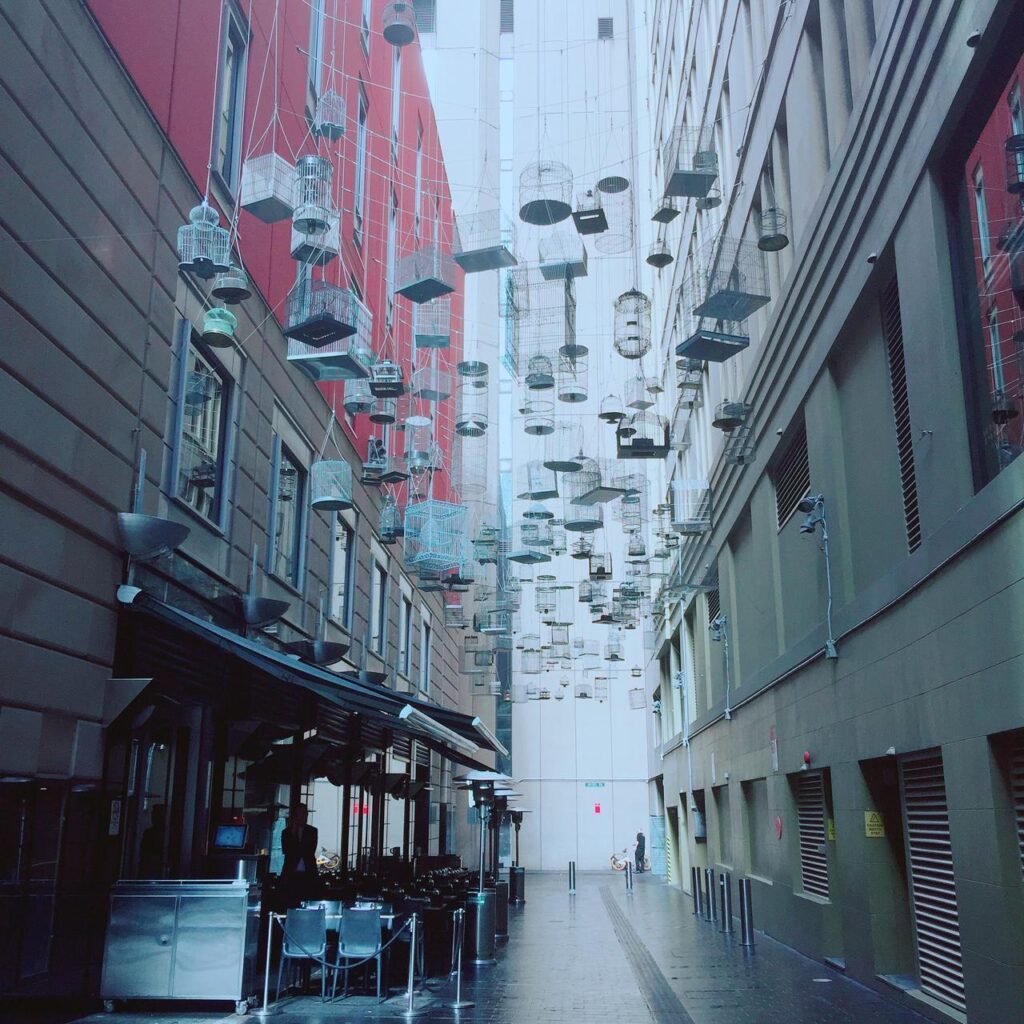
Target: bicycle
<point>618,863</point>
<point>327,861</point>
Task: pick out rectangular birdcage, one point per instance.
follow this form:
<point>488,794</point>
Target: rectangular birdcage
<point>739,447</point>
<point>691,163</point>
<point>484,241</point>
<point>426,273</point>
<point>434,534</point>
<point>329,332</point>
<point>691,506</point>
<point>546,330</point>
<point>562,255</point>
<point>432,383</point>
<point>317,248</point>
<point>431,323</point>
<point>266,189</point>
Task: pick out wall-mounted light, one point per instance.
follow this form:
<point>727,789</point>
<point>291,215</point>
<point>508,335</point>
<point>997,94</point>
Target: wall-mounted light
<point>813,507</point>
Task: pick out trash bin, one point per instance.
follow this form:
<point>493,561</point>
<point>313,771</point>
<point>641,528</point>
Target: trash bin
<point>479,948</point>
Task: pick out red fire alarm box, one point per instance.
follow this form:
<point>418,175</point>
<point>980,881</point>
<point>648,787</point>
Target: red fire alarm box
<point>597,808</point>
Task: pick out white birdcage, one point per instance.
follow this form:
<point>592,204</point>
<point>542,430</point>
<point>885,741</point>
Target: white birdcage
<point>581,548</point>
<point>318,248</point>
<point>562,447</point>
<point>637,395</point>
<point>544,601</point>
<point>313,206</point>
<point>691,163</point>
<point>538,416</point>
<point>383,410</point>
<point>584,690</point>
<point>431,323</point>
<point>267,187</point>
<point>387,379</point>
<point>585,592</point>
<point>536,533</point>
<point>547,332</point>
<point>690,381</point>
<point>644,435</point>
<point>358,399</point>
<point>320,313</point>
<point>422,453</point>
<point>343,358</point>
<point>434,534</point>
<point>589,217</point>
<point>473,372</point>
<point>562,255</point>
<point>204,247</point>
<point>432,383</point>
<point>486,545</point>
<point>572,378</point>
<point>618,209</point>
<point>582,518</point>
<point>739,447</point>
<point>484,240</point>
<point>532,543</point>
<point>426,273</point>
<point>329,116</point>
<point>632,330</point>
<point>330,485</point>
<point>391,521</point>
<point>637,698</point>
<point>454,613</point>
<point>536,481</point>
<point>471,417</point>
<point>691,506</point>
<point>545,192</point>
<point>600,565</point>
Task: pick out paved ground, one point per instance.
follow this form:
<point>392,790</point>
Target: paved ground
<point>605,956</point>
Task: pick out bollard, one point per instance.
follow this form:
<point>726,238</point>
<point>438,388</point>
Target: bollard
<point>572,878</point>
<point>458,938</point>
<point>266,1010</point>
<point>725,884</point>
<point>694,891</point>
<point>710,913</point>
<point>411,1009</point>
<point>746,915</point>
<point>629,877</point>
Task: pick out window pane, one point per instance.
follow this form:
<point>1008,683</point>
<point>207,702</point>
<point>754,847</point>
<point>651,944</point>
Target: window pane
<point>201,445</point>
<point>289,517</point>
<point>341,569</point>
<point>229,115</point>
<point>425,659</point>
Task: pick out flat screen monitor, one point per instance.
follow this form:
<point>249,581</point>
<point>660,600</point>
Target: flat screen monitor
<point>230,837</point>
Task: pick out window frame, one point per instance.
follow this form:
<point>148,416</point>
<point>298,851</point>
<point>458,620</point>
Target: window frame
<point>314,66</point>
<point>359,185</point>
<point>426,652</point>
<point>292,579</point>
<point>405,638</point>
<point>391,258</point>
<point>234,26</point>
<point>981,213</point>
<point>396,102</point>
<point>378,631</point>
<point>418,202</point>
<point>364,25</point>
<point>343,616</point>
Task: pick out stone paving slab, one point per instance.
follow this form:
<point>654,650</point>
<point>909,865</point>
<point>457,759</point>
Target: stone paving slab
<point>603,956</point>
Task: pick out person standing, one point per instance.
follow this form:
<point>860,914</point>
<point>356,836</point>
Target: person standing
<point>299,845</point>
<point>640,848</point>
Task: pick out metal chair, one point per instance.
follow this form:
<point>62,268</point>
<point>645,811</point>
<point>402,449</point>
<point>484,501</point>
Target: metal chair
<point>359,938</point>
<point>305,938</point>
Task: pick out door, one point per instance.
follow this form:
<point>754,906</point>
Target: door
<point>932,883</point>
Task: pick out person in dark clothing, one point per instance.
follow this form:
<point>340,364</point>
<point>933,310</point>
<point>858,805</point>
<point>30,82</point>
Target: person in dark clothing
<point>299,845</point>
<point>641,848</point>
<point>151,849</point>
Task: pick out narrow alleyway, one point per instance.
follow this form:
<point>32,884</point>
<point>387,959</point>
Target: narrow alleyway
<point>606,955</point>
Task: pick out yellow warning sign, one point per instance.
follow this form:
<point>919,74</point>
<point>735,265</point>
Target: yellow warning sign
<point>874,826</point>
<point>831,830</point>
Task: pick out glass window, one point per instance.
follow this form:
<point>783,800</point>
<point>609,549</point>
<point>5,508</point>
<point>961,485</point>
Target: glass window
<point>419,178</point>
<point>343,567</point>
<point>396,101</point>
<point>425,653</point>
<point>230,101</point>
<point>289,504</point>
<point>358,199</point>
<point>405,654</point>
<point>202,437</point>
<point>316,42</point>
<point>981,212</point>
<point>392,240</point>
<point>378,609</point>
<point>364,26</point>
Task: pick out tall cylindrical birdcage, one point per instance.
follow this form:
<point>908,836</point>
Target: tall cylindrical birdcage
<point>545,192</point>
<point>632,330</point>
<point>313,205</point>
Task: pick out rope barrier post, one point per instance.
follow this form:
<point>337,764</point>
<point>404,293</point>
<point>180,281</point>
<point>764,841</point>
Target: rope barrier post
<point>411,1010</point>
<point>265,1010</point>
<point>458,937</point>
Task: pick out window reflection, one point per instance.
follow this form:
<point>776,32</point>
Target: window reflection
<point>203,423</point>
<point>288,524</point>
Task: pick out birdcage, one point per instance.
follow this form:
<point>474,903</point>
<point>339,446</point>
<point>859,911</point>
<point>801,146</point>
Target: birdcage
<point>513,298</point>
<point>637,395</point>
<point>471,417</point>
<point>390,525</point>
<point>740,448</point>
<point>545,193</point>
<point>386,379</point>
<point>485,545</point>
<point>690,381</point>
<point>585,592</point>
<point>600,565</point>
<point>637,699</point>
<point>645,437</point>
<point>329,116</point>
<point>536,533</point>
<point>382,410</point>
<point>204,247</point>
<point>544,601</point>
<point>584,690</point>
<point>572,378</point>
<point>531,656</point>
<point>771,230</point>
<point>636,547</point>
<point>536,481</point>
<point>582,518</point>
<point>432,383</point>
<point>540,373</point>
<point>538,416</point>
<point>313,207</point>
<point>330,485</point>
<point>426,273</point>
<point>398,23</point>
<point>581,548</point>
<point>219,327</point>
<point>691,163</point>
<point>588,216</point>
<point>691,506</point>
<point>562,446</point>
<point>320,313</point>
<point>666,211</point>
<point>562,255</point>
<point>484,240</point>
<point>267,187</point>
<point>531,545</point>
<point>318,248</point>
<point>493,619</point>
<point>539,511</point>
<point>358,399</point>
<point>632,330</point>
<point>454,613</point>
<point>659,255</point>
<point>232,286</point>
<point>730,415</point>
<point>431,323</point>
<point>434,534</point>
<point>618,209</point>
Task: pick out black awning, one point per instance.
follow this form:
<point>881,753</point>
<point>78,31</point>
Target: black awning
<point>375,704</point>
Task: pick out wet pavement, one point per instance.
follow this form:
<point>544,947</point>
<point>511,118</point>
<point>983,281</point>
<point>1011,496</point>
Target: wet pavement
<point>603,955</point>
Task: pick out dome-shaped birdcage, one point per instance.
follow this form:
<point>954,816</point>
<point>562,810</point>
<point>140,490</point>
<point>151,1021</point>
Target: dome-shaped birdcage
<point>611,409</point>
<point>659,255</point>
<point>632,331</point>
<point>398,25</point>
<point>583,486</point>
<point>538,511</point>
<point>545,192</point>
<point>540,373</point>
<point>329,116</point>
<point>584,690</point>
<point>645,436</point>
<point>358,398</point>
<point>219,327</point>
<point>313,208</point>
<point>330,485</point>
<point>536,481</point>
<point>772,235</point>
<point>384,410</point>
<point>636,547</point>
<point>538,417</point>
<point>573,375</point>
<point>582,518</point>
<point>471,417</point>
<point>204,247</point>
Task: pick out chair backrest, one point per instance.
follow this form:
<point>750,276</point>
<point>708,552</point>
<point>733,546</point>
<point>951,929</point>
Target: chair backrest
<point>359,934</point>
<point>332,908</point>
<point>305,932</point>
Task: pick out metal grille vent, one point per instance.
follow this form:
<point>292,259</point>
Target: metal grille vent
<point>507,16</point>
<point>892,331</point>
<point>605,28</point>
<point>426,15</point>
<point>936,921</point>
<point>810,801</point>
<point>714,605</point>
<point>792,477</point>
<point>1017,789</point>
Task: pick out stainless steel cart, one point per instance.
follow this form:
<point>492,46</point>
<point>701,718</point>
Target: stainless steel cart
<point>182,940</point>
